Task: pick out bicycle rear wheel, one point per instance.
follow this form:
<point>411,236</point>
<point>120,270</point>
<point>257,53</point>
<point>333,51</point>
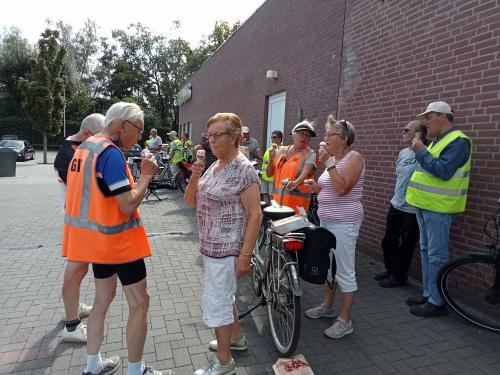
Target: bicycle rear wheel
<point>283,306</point>
<point>182,182</point>
<point>469,286</point>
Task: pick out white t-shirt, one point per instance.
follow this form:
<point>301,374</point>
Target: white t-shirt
<point>155,144</point>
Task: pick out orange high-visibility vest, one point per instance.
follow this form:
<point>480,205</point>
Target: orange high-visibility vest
<point>289,165</point>
<point>95,229</point>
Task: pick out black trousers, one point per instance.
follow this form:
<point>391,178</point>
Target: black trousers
<point>401,236</point>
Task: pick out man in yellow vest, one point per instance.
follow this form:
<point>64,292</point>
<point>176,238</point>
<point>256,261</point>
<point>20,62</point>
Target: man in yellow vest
<point>175,151</point>
<point>438,189</point>
<point>267,185</point>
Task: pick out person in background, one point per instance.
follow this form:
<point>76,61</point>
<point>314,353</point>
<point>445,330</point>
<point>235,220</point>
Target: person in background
<point>267,183</point>
<point>175,151</point>
<point>251,146</point>
<point>401,229</point>
<point>74,330</point>
<point>227,204</point>
<point>210,158</point>
<point>103,227</point>
<point>295,163</point>
<point>155,141</point>
<point>187,148</point>
<point>340,210</point>
<point>438,189</point>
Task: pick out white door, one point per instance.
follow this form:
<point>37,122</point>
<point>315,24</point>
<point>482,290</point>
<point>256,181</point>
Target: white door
<point>275,115</point>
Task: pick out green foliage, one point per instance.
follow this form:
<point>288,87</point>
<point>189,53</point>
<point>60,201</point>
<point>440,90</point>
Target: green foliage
<point>220,33</point>
<point>15,54</point>
<point>43,90</point>
<point>77,72</point>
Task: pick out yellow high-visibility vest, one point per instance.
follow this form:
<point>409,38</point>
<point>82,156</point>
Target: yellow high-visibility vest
<point>265,162</point>
<point>430,193</point>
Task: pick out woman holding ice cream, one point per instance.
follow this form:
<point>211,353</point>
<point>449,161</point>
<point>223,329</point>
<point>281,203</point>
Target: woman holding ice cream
<point>227,204</point>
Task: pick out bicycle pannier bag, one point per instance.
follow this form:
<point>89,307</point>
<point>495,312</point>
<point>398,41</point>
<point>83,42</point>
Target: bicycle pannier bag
<point>314,259</point>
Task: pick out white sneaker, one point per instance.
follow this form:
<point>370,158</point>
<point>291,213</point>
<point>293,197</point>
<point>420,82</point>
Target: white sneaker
<point>214,367</point>
<point>78,335</point>
<point>109,366</point>
<point>235,345</point>
<point>339,329</point>
<point>320,312</point>
<point>84,310</point>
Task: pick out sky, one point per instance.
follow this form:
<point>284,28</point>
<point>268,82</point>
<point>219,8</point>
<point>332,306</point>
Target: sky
<point>197,17</point>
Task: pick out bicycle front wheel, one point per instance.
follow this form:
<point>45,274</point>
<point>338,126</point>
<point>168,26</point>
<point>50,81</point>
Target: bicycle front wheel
<point>469,286</point>
<point>283,306</point>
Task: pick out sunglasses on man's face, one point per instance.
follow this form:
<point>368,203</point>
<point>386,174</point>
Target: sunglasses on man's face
<point>406,130</point>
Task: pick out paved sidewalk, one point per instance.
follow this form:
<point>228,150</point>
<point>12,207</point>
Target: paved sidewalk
<point>386,339</point>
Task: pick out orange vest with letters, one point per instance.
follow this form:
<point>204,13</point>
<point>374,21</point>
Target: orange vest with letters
<point>289,165</point>
<point>95,229</point>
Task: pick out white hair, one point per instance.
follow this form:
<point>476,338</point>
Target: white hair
<point>94,123</point>
<point>123,111</point>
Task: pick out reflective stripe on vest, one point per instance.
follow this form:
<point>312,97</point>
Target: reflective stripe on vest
<point>82,221</point>
<point>430,193</point>
<point>457,174</point>
<point>78,222</point>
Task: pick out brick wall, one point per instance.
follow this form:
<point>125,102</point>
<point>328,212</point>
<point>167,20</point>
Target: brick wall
<point>300,39</point>
<point>397,56</point>
<point>400,55</point>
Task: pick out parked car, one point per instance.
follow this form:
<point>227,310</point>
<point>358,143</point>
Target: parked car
<point>8,136</point>
<point>134,152</point>
<point>23,148</point>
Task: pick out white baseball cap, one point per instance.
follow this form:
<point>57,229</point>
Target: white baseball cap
<point>173,132</point>
<point>305,125</point>
<point>439,107</point>
<point>245,129</point>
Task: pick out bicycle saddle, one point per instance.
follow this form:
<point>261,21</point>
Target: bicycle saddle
<point>277,213</point>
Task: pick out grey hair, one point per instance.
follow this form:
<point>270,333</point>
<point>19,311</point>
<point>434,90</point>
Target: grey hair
<point>123,111</point>
<point>94,123</point>
<point>347,132</point>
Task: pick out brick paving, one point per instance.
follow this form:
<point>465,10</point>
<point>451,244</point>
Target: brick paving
<point>386,339</point>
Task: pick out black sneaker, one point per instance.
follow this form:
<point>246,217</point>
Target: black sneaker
<point>414,301</point>
<point>428,309</point>
<point>391,282</point>
<point>382,276</point>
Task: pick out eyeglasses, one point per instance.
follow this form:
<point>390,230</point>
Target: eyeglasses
<point>135,126</point>
<point>275,136</point>
<point>406,130</point>
<point>332,134</point>
<point>215,136</point>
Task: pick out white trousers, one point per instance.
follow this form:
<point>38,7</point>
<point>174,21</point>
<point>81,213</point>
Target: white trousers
<point>220,288</point>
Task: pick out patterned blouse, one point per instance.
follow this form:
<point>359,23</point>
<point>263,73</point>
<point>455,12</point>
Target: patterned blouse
<point>221,216</point>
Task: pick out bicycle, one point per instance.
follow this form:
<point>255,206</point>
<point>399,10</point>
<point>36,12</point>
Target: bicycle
<point>275,276</point>
<point>470,284</point>
<point>164,179</point>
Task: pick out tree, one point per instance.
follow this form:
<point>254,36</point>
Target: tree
<point>156,67</point>
<point>220,33</point>
<point>43,90</point>
<point>15,55</point>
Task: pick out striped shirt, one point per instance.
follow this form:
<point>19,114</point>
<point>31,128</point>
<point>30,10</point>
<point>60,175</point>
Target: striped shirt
<point>345,209</point>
